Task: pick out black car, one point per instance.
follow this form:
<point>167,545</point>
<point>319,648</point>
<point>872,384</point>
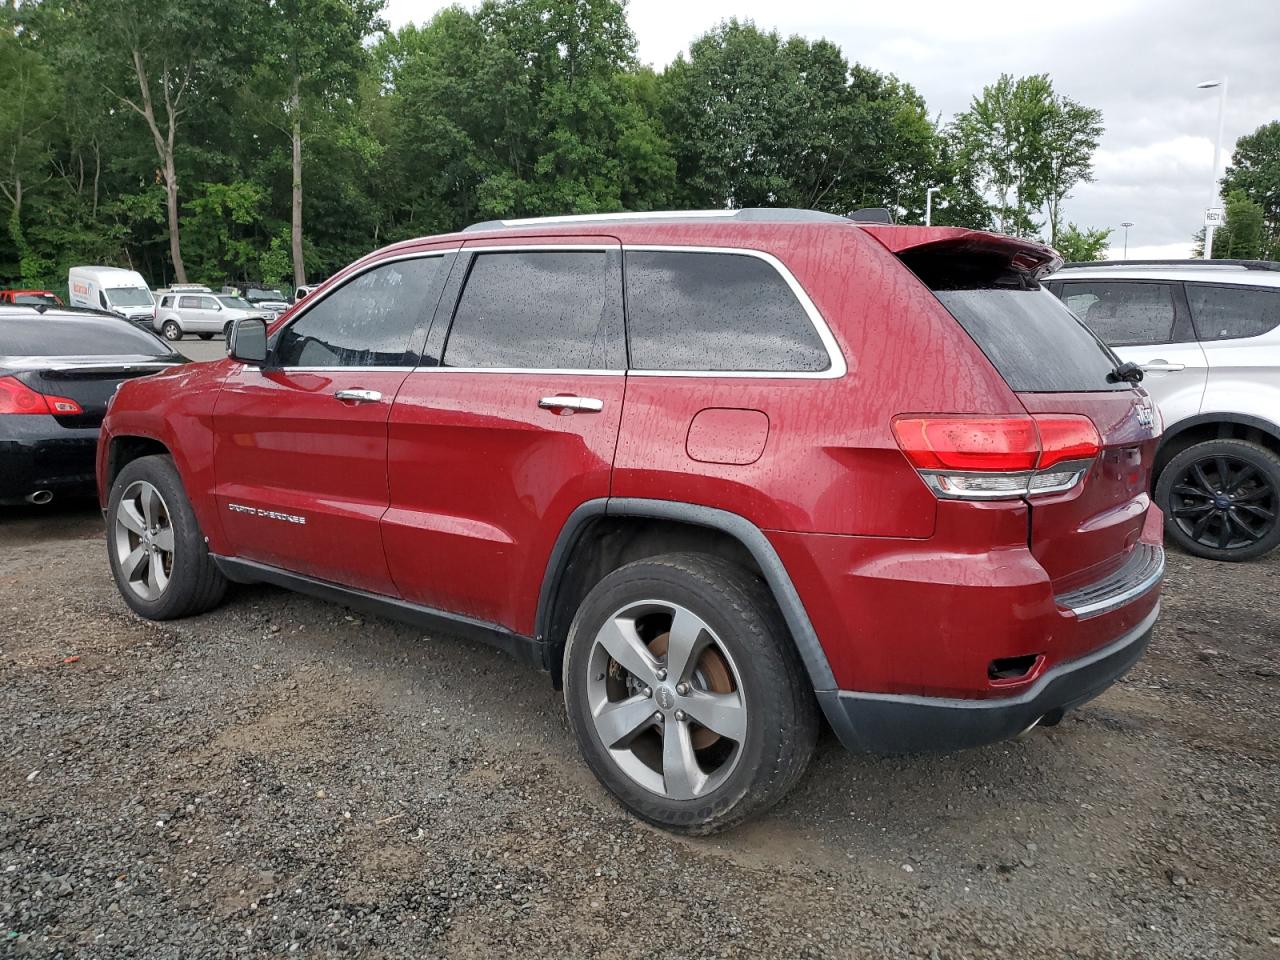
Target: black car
<point>58,370</point>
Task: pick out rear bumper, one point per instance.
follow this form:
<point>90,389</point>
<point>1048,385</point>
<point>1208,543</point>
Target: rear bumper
<point>37,453</point>
<point>905,724</point>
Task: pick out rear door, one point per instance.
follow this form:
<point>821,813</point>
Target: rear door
<point>1239,328</point>
<point>300,446</point>
<point>509,424</point>
<point>1146,322</point>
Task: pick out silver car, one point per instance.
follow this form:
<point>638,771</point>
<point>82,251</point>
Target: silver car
<point>203,314</point>
<point>1207,337</point>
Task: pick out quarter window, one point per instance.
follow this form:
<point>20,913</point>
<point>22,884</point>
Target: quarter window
<point>539,310</point>
<point>1122,313</point>
<point>368,322</point>
<point>716,312</point>
<point>1231,313</point>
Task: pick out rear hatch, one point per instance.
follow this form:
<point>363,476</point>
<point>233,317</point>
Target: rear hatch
<point>89,381</point>
<point>1055,366</point>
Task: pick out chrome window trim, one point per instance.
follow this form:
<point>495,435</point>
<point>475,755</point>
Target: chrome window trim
<point>567,371</point>
<point>332,369</point>
<point>837,366</point>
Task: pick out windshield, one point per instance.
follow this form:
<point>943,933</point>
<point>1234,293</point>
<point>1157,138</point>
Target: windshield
<point>62,336</point>
<point>36,299</point>
<point>264,295</point>
<point>129,297</point>
<point>236,303</point>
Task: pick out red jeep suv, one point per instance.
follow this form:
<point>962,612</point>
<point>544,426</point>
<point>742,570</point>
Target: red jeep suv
<point>720,473</point>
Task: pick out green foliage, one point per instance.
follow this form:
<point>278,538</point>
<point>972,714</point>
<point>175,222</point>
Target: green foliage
<point>1029,147</point>
<point>1255,172</point>
<point>1243,236</point>
<point>1081,245</point>
<point>154,133</point>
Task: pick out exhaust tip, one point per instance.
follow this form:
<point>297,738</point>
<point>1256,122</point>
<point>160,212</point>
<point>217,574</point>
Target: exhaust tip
<point>40,497</point>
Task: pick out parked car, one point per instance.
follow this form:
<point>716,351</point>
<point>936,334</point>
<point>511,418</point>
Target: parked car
<point>31,298</point>
<point>1207,336</point>
<point>122,292</point>
<point>58,371</point>
<point>802,467</point>
<point>303,290</point>
<point>263,298</point>
<point>203,314</point>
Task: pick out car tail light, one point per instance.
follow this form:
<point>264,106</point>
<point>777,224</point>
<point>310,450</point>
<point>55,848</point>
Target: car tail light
<point>996,458</point>
<point>17,397</point>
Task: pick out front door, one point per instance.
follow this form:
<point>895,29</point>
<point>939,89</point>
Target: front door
<point>300,447</point>
<point>509,424</point>
<point>1147,322</point>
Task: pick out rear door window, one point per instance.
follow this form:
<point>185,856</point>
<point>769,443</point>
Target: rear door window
<point>539,310</point>
<point>1124,313</point>
<point>695,311</point>
<point>1232,313</point>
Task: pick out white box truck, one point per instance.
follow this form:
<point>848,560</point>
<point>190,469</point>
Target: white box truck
<point>115,289</point>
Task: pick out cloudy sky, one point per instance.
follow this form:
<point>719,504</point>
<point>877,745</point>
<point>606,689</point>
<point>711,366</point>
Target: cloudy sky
<point>1137,60</point>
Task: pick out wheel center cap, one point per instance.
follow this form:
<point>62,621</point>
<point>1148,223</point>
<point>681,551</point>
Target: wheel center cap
<point>1222,501</point>
<point>666,697</point>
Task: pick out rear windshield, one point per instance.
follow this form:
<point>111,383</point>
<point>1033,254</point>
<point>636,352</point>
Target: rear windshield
<point>52,336</point>
<point>1035,342</point>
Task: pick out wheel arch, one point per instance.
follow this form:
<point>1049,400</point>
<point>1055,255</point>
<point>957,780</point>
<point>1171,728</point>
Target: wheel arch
<point>601,535</point>
<point>1214,426</point>
<point>126,448</point>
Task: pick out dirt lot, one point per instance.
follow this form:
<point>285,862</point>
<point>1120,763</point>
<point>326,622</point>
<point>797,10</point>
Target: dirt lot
<point>283,776</point>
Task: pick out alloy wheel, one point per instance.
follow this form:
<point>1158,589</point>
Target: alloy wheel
<point>144,540</point>
<point>666,699</point>
<point>1224,503</point>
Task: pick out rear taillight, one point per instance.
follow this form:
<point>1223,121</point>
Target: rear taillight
<point>17,397</point>
<point>996,458</point>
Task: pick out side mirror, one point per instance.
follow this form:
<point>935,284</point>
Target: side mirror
<point>248,341</point>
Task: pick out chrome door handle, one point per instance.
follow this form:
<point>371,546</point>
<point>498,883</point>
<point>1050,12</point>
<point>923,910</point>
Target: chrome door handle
<point>572,404</point>
<point>359,396</point>
<point>1163,365</point>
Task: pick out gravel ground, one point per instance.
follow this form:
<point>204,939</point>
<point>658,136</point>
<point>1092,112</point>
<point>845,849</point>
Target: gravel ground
<point>285,777</point>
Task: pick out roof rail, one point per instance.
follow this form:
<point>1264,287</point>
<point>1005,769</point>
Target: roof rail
<point>1247,264</point>
<point>750,214</point>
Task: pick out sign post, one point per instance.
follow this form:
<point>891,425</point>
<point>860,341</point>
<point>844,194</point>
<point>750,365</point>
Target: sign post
<point>1214,217</point>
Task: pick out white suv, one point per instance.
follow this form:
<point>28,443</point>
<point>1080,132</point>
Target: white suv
<point>1207,337</point>
<point>205,314</point>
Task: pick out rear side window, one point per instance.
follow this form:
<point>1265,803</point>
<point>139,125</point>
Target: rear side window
<point>1123,313</point>
<point>54,336</point>
<point>539,310</point>
<point>367,322</point>
<point>716,312</point>
<point>1035,342</point>
<point>167,302</point>
<point>1231,313</point>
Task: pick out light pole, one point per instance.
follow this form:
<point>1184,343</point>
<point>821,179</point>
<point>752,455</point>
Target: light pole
<point>928,205</point>
<point>1126,224</point>
<point>1217,157</point>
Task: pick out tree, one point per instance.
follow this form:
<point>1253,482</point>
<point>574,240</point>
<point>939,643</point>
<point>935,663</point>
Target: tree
<point>312,65</point>
<point>1077,245</point>
<point>1243,236</point>
<point>1029,147</point>
<point>26,116</point>
<point>1255,171</point>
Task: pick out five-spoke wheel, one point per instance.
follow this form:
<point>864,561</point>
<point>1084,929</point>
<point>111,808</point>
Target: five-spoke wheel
<point>143,537</point>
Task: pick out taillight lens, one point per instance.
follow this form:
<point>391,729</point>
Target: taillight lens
<point>16,397</point>
<point>994,458</point>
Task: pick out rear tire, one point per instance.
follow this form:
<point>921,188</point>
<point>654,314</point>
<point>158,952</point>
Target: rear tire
<point>171,330</point>
<point>1221,500</point>
<point>742,675</point>
<point>156,549</point>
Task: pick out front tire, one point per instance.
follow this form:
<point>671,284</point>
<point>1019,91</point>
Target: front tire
<point>157,552</point>
<point>1221,500</point>
<point>686,694</point>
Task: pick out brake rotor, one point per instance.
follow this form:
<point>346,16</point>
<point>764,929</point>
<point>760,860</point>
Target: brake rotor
<point>712,669</point>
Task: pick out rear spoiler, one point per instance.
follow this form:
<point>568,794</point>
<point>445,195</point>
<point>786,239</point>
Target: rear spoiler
<point>919,245</point>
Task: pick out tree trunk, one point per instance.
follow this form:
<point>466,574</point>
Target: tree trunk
<point>171,198</point>
<point>299,268</point>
